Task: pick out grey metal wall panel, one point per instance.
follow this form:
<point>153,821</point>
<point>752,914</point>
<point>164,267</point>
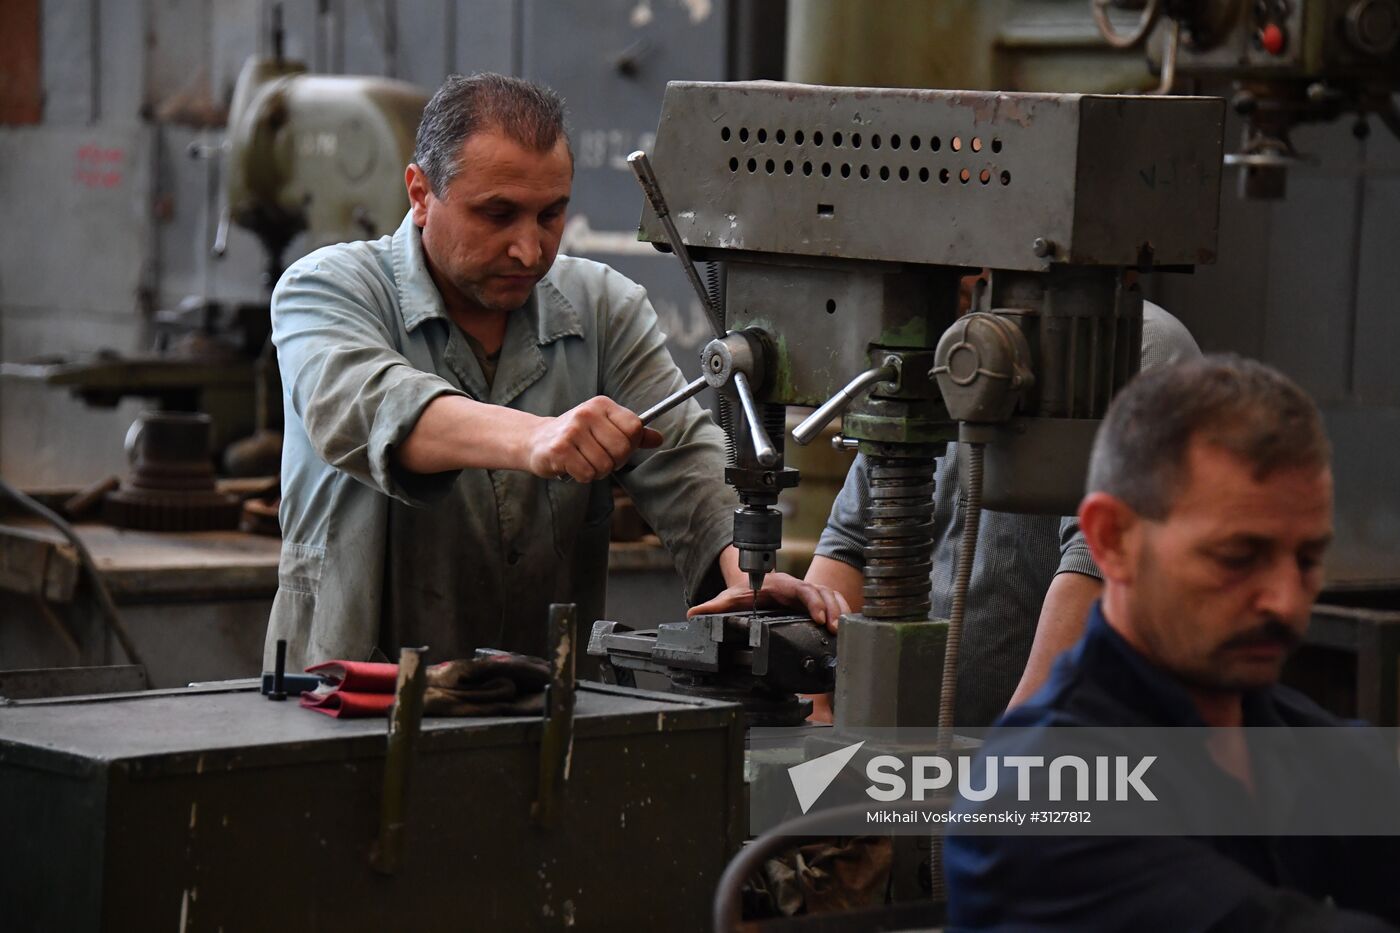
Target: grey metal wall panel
<point>368,36</point>
<point>1366,461</point>
<point>304,30</point>
<point>67,31</point>
<point>1289,275</point>
<point>425,43</point>
<point>233,27</point>
<point>486,37</point>
<point>1378,297</point>
<point>1222,305</point>
<point>179,52</point>
<point>576,48</point>
<point>1308,288</point>
<point>121,59</point>
<point>77,203</point>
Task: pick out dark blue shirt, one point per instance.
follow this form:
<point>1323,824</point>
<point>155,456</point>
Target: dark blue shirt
<point>1208,883</point>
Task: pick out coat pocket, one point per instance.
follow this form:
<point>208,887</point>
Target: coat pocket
<point>577,509</point>
<point>299,568</point>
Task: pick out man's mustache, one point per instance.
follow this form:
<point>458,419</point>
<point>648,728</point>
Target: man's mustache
<point>1272,632</point>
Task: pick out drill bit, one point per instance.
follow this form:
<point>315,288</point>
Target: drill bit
<point>755,584</point>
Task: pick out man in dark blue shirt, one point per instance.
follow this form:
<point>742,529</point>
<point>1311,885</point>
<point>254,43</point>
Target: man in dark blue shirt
<point>1209,510</point>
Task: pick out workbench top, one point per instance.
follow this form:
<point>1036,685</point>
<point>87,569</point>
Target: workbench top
<point>231,727</point>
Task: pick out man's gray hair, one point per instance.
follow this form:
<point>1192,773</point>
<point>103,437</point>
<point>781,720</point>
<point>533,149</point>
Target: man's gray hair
<point>1239,405</point>
<point>530,114</point>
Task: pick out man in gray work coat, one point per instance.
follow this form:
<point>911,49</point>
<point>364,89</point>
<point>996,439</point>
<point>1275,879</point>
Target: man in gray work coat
<point>442,384</point>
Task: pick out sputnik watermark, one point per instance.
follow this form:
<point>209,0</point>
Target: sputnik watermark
<point>1115,777</point>
<point>1066,777</point>
<point>1078,780</point>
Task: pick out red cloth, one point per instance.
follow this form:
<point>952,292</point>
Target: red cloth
<point>346,704</point>
<point>497,685</point>
<point>362,688</point>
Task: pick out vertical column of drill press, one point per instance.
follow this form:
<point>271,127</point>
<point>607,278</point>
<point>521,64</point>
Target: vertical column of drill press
<point>899,538</point>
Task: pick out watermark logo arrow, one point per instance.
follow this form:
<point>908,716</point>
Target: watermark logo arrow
<point>811,778</point>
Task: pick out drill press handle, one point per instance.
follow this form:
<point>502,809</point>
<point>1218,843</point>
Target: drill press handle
<point>807,431</point>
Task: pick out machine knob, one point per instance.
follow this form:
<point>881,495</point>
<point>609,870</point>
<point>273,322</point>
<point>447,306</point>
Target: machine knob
<point>1273,39</point>
<point>1373,26</point>
<point>731,361</point>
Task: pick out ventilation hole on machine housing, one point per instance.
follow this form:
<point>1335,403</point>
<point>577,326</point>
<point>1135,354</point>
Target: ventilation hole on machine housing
<point>769,166</point>
<point>817,138</point>
<point>752,166</point>
<point>836,139</point>
<point>984,176</point>
<point>904,173</point>
<point>806,168</point>
<point>884,173</point>
<point>914,143</point>
<point>826,169</point>
<point>779,137</point>
<point>845,170</point>
<point>855,140</point>
<point>965,176</point>
<point>787,167</point>
<point>977,144</point>
<point>943,176</point>
<point>894,141</point>
<point>798,137</point>
<point>724,133</point>
<point>923,174</point>
<point>734,165</point>
<point>956,144</point>
<point>875,141</point>
<point>762,135</point>
<point>996,144</point>
<point>934,143</point>
<point>743,134</point>
<point>831,306</point>
<point>1006,178</point>
<point>865,171</point>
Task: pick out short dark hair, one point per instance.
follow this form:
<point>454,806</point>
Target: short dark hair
<point>530,114</point>
<point>1239,405</point>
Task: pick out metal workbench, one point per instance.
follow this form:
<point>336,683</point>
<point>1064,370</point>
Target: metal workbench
<point>217,809</point>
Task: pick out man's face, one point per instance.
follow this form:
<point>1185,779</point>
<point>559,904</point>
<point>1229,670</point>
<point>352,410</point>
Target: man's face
<point>1222,587</point>
<point>495,232</point>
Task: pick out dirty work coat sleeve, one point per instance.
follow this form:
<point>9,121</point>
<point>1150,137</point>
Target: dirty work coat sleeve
<point>354,391</point>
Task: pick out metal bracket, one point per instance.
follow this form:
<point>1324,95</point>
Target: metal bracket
<point>405,722</point>
<point>557,737</point>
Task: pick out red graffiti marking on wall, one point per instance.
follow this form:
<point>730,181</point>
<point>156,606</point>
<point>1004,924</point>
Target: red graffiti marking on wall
<point>99,166</point>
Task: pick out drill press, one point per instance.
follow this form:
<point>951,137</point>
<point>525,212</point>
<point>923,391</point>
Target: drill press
<point>844,219</point>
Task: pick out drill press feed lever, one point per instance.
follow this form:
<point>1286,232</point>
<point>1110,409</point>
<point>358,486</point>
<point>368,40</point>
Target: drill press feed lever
<point>733,364</point>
